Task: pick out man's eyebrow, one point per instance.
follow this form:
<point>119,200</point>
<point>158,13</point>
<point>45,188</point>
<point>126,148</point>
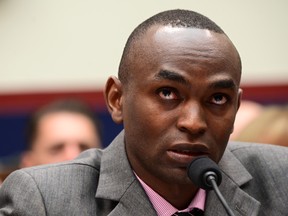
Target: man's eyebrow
<point>223,84</point>
<point>170,75</point>
<point>176,77</point>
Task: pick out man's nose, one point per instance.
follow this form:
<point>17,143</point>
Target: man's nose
<point>192,119</point>
<point>72,152</point>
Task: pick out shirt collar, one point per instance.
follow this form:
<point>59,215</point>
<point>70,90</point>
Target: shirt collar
<point>164,208</point>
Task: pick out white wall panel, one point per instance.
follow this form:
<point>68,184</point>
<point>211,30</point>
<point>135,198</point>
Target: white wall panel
<point>76,44</point>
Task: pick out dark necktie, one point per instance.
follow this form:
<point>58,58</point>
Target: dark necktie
<point>194,212</point>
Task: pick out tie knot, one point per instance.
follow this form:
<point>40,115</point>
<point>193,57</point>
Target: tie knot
<point>193,212</point>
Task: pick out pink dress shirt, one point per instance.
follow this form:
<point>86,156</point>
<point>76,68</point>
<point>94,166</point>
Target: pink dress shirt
<point>164,208</point>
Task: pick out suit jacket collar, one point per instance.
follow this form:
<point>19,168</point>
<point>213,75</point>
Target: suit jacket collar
<point>117,182</point>
<point>119,187</point>
<point>234,178</point>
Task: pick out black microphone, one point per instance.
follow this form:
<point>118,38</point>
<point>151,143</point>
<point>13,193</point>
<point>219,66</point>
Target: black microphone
<point>206,174</point>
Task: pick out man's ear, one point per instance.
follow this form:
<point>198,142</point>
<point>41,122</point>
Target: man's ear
<point>239,97</point>
<point>240,92</point>
<point>113,98</point>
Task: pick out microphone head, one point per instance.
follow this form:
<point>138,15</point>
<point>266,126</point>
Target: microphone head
<point>200,169</point>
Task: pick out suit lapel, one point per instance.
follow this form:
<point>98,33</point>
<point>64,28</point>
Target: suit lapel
<point>118,189</point>
<point>234,176</point>
<point>134,202</point>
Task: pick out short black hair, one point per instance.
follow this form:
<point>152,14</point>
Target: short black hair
<point>174,18</point>
<point>62,105</point>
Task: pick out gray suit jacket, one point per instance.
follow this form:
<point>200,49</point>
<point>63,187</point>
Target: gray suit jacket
<point>255,182</point>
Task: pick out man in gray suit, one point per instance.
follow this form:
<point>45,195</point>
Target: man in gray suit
<point>177,94</point>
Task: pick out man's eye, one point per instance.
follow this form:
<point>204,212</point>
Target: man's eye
<point>84,146</point>
<point>219,99</point>
<point>167,94</point>
<point>56,149</point>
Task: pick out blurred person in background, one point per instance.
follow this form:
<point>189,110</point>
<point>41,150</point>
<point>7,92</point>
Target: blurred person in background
<point>270,126</point>
<point>60,131</point>
<point>247,112</point>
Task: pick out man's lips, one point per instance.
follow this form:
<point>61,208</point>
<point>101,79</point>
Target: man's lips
<point>187,152</point>
<point>184,153</point>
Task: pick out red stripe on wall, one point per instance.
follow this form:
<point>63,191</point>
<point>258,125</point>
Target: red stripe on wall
<point>266,94</point>
<point>24,103</point>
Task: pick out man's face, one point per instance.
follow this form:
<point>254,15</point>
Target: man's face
<point>61,136</point>
<point>180,101</point>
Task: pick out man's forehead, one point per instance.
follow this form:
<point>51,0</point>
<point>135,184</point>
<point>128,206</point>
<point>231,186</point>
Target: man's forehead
<point>192,32</point>
<point>162,42</point>
<point>171,39</point>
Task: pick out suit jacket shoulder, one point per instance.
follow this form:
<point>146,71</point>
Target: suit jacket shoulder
<point>258,174</point>
<point>268,164</point>
<point>53,189</point>
<point>97,183</point>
